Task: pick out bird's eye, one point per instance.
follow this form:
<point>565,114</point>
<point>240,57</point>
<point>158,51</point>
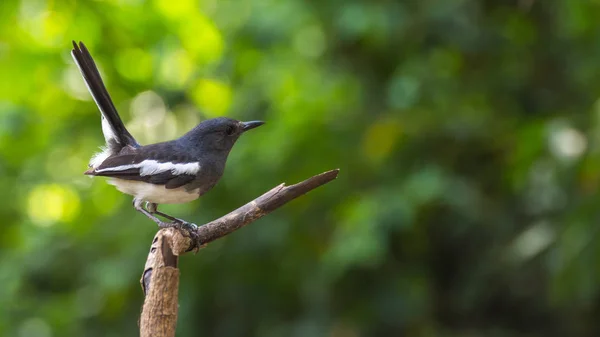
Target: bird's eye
<point>230,130</point>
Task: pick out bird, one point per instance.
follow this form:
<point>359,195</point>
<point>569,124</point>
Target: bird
<point>171,172</point>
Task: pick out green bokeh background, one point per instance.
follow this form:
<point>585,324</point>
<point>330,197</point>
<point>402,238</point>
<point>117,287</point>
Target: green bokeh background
<point>466,133</point>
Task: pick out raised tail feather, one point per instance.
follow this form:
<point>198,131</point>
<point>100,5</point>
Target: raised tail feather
<point>115,133</point>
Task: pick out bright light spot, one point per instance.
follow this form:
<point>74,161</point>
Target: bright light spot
<point>201,38</point>
<point>213,97</point>
<point>152,122</point>
<point>150,107</point>
<point>35,327</point>
<point>567,143</point>
<point>47,28</point>
<point>176,68</point>
<point>543,192</point>
<point>532,241</point>
<point>74,84</point>
<point>48,204</point>
<point>310,41</point>
<point>179,9</point>
<point>187,116</point>
<point>54,26</point>
<point>169,127</point>
<point>31,8</point>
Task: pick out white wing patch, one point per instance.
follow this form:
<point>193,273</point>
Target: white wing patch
<point>153,167</point>
<point>150,167</point>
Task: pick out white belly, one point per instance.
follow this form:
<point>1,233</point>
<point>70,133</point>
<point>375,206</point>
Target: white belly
<point>155,193</point>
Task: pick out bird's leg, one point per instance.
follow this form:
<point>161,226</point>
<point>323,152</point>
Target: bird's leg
<point>153,209</point>
<point>137,204</point>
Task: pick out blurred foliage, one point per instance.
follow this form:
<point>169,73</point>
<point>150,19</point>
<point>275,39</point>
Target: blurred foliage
<point>466,132</point>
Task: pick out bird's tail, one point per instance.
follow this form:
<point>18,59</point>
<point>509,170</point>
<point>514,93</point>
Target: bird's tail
<point>115,133</point>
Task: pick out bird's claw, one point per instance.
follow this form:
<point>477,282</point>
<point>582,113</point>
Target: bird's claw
<point>192,231</point>
<point>188,226</point>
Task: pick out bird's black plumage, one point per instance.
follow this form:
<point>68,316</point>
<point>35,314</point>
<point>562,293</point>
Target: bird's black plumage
<point>176,171</point>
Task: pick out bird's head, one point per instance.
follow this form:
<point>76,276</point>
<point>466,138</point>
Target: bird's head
<point>219,134</point>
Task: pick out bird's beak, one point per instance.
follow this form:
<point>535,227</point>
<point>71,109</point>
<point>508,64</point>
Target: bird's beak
<point>251,125</point>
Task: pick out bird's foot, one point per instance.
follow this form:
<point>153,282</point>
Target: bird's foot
<point>188,226</point>
<point>179,224</point>
<point>191,229</point>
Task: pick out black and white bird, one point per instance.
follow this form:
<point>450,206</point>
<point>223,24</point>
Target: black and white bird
<point>176,171</point>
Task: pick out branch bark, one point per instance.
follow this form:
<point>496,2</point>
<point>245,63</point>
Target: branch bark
<point>160,280</point>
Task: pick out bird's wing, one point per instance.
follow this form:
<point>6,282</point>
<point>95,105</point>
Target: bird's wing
<point>135,166</point>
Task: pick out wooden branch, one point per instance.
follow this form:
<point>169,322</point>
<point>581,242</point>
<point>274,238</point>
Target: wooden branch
<point>160,280</point>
